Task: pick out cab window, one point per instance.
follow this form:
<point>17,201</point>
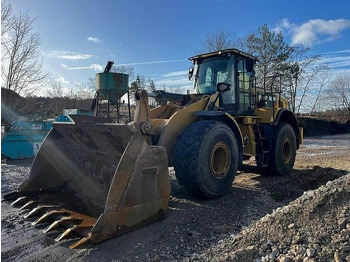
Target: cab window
<point>243,84</point>
<point>213,71</point>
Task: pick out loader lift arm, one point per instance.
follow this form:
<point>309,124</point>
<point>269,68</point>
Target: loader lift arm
<point>115,177</point>
<point>163,96</point>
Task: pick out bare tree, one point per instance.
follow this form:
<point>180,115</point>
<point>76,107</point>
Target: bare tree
<point>85,93</point>
<point>129,70</point>
<point>55,89</point>
<point>6,24</point>
<point>218,39</point>
<point>323,80</point>
<point>6,19</point>
<point>179,90</point>
<point>245,42</point>
<point>92,84</point>
<point>301,71</point>
<point>338,92</point>
<point>22,70</point>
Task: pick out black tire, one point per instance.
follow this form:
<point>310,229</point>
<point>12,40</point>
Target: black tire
<point>197,162</point>
<point>283,150</point>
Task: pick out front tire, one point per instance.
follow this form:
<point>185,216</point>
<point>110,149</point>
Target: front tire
<point>206,158</point>
<point>283,149</point>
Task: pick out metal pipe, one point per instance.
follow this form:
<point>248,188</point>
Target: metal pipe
<point>108,104</point>
<point>118,112</point>
<point>129,106</point>
<point>97,104</point>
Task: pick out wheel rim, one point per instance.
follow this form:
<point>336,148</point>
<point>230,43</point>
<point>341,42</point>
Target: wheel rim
<point>286,150</point>
<point>220,160</point>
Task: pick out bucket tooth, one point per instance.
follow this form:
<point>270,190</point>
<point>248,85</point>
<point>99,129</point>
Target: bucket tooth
<point>40,210</point>
<point>82,242</point>
<point>19,201</point>
<point>29,205</point>
<point>66,233</point>
<point>44,218</point>
<point>63,220</point>
<point>51,227</point>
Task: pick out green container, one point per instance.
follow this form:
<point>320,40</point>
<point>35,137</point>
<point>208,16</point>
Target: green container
<point>112,85</point>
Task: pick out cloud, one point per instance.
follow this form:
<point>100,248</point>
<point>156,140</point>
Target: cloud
<point>66,91</point>
<point>337,52</point>
<point>6,36</point>
<point>335,61</point>
<point>177,80</point>
<point>176,73</point>
<point>338,71</point>
<point>173,82</point>
<point>153,62</point>
<point>78,83</point>
<point>96,67</point>
<point>62,80</point>
<point>94,39</point>
<point>69,55</point>
<point>313,31</point>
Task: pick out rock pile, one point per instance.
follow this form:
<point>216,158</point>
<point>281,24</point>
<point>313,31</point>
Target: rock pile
<point>314,227</point>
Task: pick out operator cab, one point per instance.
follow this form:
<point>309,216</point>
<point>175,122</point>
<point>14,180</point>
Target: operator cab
<point>232,67</point>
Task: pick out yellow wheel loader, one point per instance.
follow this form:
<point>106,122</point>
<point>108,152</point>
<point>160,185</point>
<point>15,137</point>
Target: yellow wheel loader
<point>98,179</point>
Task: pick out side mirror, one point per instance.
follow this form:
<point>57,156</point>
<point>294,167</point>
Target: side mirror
<point>222,87</point>
<point>190,72</point>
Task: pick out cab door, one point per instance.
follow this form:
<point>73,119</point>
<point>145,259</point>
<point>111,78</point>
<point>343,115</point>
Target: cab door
<point>228,100</point>
<point>244,87</point>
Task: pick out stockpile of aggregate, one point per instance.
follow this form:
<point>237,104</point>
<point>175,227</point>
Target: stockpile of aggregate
<point>314,227</point>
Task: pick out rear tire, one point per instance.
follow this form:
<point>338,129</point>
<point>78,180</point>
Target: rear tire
<point>283,150</point>
<point>206,158</point>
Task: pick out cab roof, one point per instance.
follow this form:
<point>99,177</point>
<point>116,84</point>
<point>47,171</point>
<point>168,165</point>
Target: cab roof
<point>232,51</point>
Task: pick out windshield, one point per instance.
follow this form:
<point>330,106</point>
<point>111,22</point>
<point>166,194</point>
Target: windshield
<point>213,71</point>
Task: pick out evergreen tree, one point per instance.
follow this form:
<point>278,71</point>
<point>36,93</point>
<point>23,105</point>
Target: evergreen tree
<point>134,86</point>
<point>152,86</point>
<point>272,51</point>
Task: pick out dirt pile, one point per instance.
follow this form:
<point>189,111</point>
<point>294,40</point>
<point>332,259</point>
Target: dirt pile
<point>314,227</point>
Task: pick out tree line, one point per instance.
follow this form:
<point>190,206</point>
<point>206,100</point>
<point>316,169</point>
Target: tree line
<point>306,81</point>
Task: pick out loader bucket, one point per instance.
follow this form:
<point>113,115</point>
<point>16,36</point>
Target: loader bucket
<point>95,179</point>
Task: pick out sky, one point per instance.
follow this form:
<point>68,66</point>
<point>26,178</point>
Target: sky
<point>157,37</point>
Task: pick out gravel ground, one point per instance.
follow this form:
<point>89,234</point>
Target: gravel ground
<point>193,228</point>
<point>314,227</point>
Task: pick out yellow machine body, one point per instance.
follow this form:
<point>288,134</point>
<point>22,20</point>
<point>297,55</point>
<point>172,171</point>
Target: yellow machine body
<point>99,179</point>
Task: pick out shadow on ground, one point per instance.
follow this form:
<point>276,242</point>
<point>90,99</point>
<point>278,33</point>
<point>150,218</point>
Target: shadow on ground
<point>280,188</point>
<point>287,188</point>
